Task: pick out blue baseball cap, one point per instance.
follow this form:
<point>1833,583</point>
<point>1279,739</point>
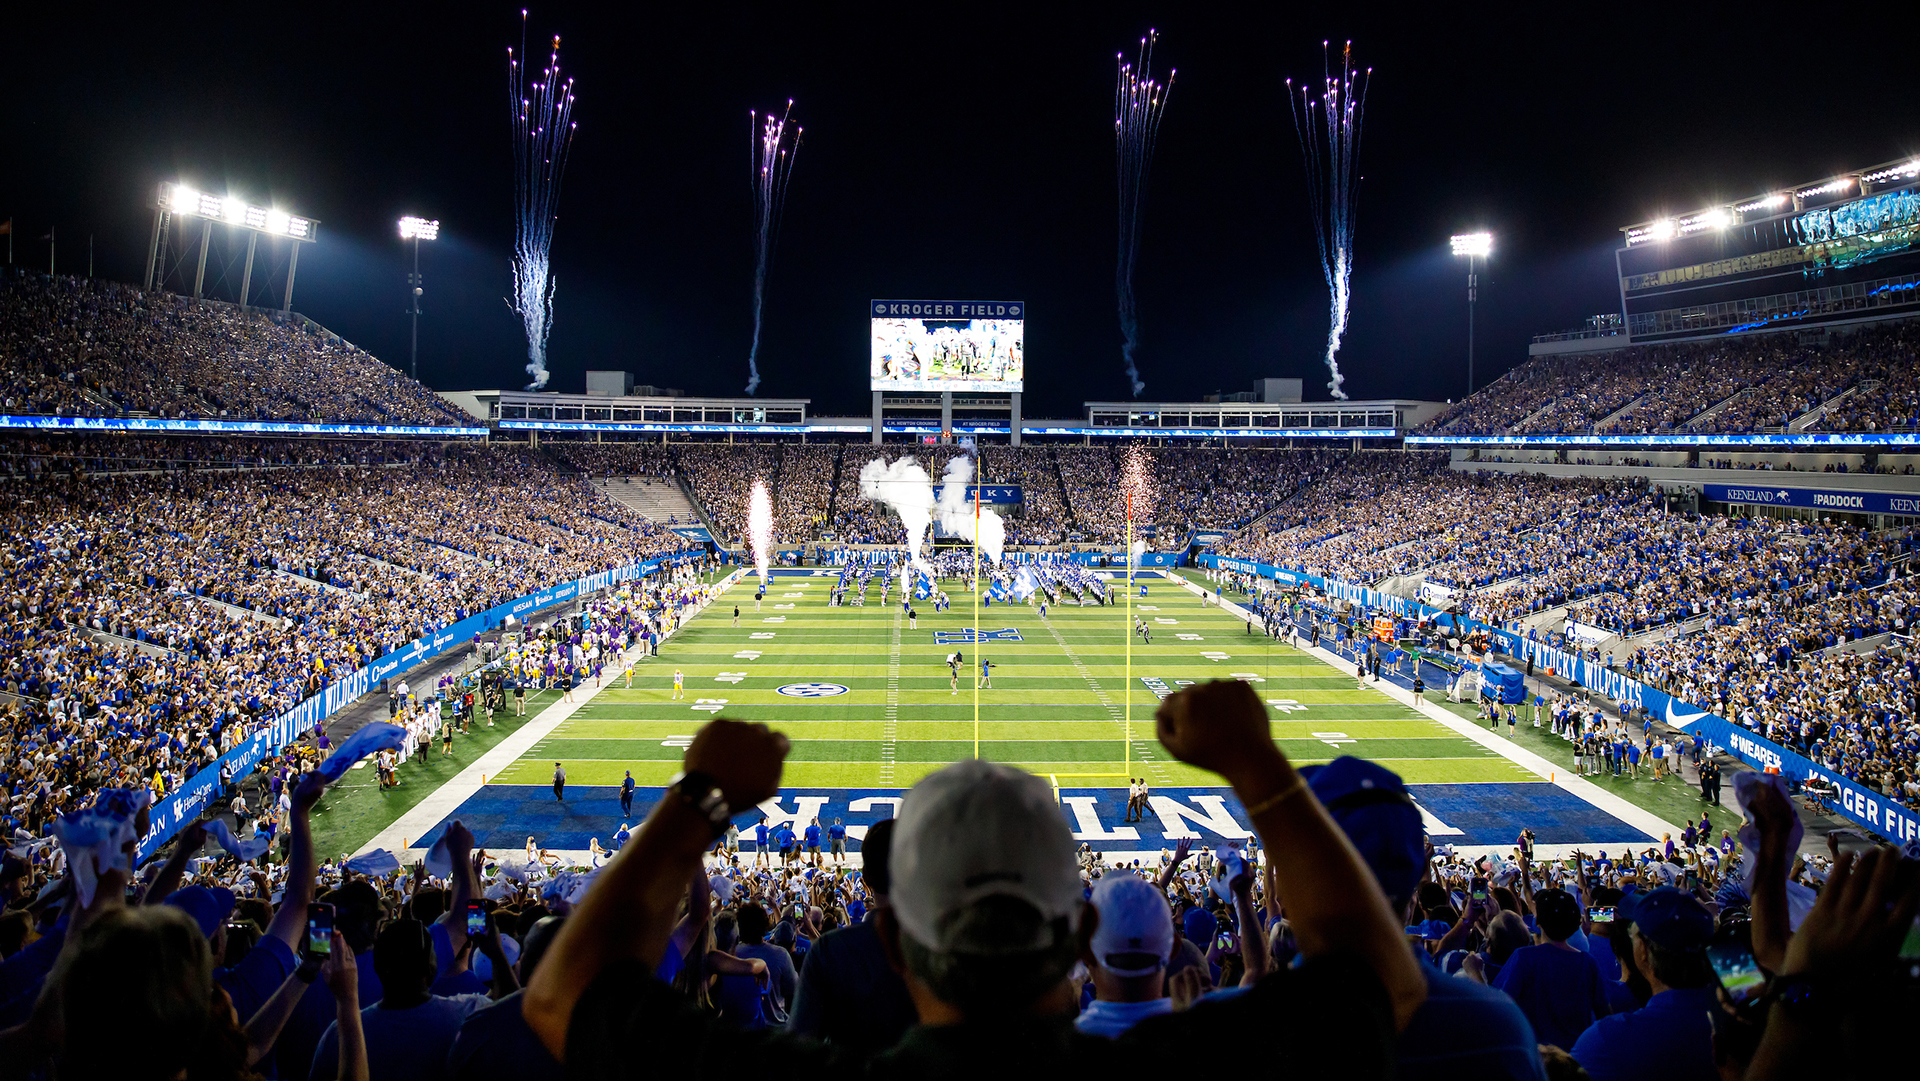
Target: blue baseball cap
<point>209,907</point>
<point>1669,918</point>
<point>1198,925</point>
<point>1372,806</point>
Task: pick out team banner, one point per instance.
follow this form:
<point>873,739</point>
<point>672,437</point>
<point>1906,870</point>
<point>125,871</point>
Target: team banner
<point>1868,808</point>
<point>1761,440</point>
<point>990,494</point>
<point>186,804</point>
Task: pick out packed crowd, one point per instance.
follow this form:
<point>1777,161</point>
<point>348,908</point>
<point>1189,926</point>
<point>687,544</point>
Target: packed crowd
<point>30,457</point>
<point>153,621</point>
<point>1733,386</point>
<point>974,936</point>
<point>90,348</point>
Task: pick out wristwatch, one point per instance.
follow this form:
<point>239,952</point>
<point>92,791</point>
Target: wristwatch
<point>703,794</point>
<point>1799,996</point>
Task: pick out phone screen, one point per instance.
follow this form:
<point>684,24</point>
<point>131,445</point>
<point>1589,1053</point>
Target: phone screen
<point>1602,914</point>
<point>476,918</point>
<point>320,930</point>
<point>1731,954</point>
<point>1225,941</point>
<point>1479,894</point>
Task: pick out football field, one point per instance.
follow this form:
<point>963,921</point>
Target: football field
<point>870,702</point>
<point>871,706</point>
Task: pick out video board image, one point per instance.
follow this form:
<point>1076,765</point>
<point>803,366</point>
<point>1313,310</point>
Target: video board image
<point>935,354</point>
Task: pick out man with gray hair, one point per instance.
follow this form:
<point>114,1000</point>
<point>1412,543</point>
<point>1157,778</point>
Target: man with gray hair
<point>987,918</point>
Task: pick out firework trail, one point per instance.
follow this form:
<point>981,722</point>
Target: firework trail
<point>760,526</point>
<point>1329,133</point>
<point>542,134</point>
<point>1137,497</point>
<point>1138,102</point>
<point>773,156</point>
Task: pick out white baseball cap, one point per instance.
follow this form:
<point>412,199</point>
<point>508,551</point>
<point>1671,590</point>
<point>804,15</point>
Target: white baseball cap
<point>974,830</point>
<point>1134,920</point>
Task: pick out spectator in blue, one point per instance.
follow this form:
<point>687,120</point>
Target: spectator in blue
<point>755,922</point>
<point>1557,986</point>
<point>626,796</point>
<point>1670,931</point>
<point>848,994</point>
<point>813,842</point>
<point>1463,1028</point>
<point>783,840</point>
<point>761,847</point>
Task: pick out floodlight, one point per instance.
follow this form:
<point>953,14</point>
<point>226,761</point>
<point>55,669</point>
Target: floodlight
<point>184,200</point>
<point>1661,230</point>
<point>1829,188</point>
<point>234,210</point>
<point>1472,244</point>
<point>419,229</point>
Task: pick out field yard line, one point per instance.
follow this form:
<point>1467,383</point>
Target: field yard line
<point>444,800</point>
<point>1630,813</point>
<point>1114,711</point>
<point>890,728</point>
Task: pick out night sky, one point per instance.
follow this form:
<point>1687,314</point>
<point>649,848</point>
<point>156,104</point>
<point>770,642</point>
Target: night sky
<point>963,152</point>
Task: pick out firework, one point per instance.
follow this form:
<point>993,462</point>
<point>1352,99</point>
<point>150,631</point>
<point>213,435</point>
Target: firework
<point>1138,102</point>
<point>1329,134</point>
<point>1137,492</point>
<point>543,130</point>
<point>773,156</point>
<point>760,526</point>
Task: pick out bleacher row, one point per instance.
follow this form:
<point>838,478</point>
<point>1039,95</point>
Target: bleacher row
<point>154,617</point>
<point>1069,492</point>
<point>1863,381</point>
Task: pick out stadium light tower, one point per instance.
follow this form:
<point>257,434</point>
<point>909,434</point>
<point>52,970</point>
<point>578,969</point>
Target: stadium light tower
<point>1473,246</point>
<point>416,230</point>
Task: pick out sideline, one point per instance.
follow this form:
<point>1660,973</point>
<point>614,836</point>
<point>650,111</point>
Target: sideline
<point>446,799</point>
<point>1554,773</point>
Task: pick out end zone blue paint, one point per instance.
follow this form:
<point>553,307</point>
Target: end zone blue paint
<point>503,816</point>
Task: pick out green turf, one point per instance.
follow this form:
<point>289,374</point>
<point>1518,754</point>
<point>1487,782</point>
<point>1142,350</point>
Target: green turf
<point>1671,798</point>
<point>1062,702</point>
<point>354,810</point>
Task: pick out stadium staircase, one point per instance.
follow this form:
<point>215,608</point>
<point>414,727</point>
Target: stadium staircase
<point>1620,412</point>
<point>652,498</point>
<point>1807,420</point>
<point>1718,408</point>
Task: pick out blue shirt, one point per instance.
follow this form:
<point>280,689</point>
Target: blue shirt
<point>837,832</point>
<point>1559,991</point>
<point>1676,1024</point>
<point>760,833</point>
<point>1466,1029</point>
<point>813,836</point>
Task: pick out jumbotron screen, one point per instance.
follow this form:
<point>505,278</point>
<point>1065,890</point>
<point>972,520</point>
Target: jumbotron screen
<point>971,345</point>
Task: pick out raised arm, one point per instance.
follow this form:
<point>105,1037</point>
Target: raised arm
<point>302,864</point>
<point>168,880</point>
<point>629,912</point>
<point>1333,902</point>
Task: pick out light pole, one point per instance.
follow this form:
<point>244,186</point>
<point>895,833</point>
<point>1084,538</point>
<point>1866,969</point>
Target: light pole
<point>1473,246</point>
<point>416,230</point>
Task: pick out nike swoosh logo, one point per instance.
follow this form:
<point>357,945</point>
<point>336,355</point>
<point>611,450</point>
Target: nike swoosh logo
<point>1678,721</point>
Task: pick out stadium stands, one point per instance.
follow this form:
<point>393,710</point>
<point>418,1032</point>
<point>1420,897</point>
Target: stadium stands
<point>1732,386</point>
<point>161,615</point>
<point>83,348</point>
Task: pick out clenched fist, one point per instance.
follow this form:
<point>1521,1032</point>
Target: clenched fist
<point>744,758</point>
<point>1220,726</point>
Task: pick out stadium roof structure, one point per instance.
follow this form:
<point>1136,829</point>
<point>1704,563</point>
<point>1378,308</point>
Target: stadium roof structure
<point>1790,199</point>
